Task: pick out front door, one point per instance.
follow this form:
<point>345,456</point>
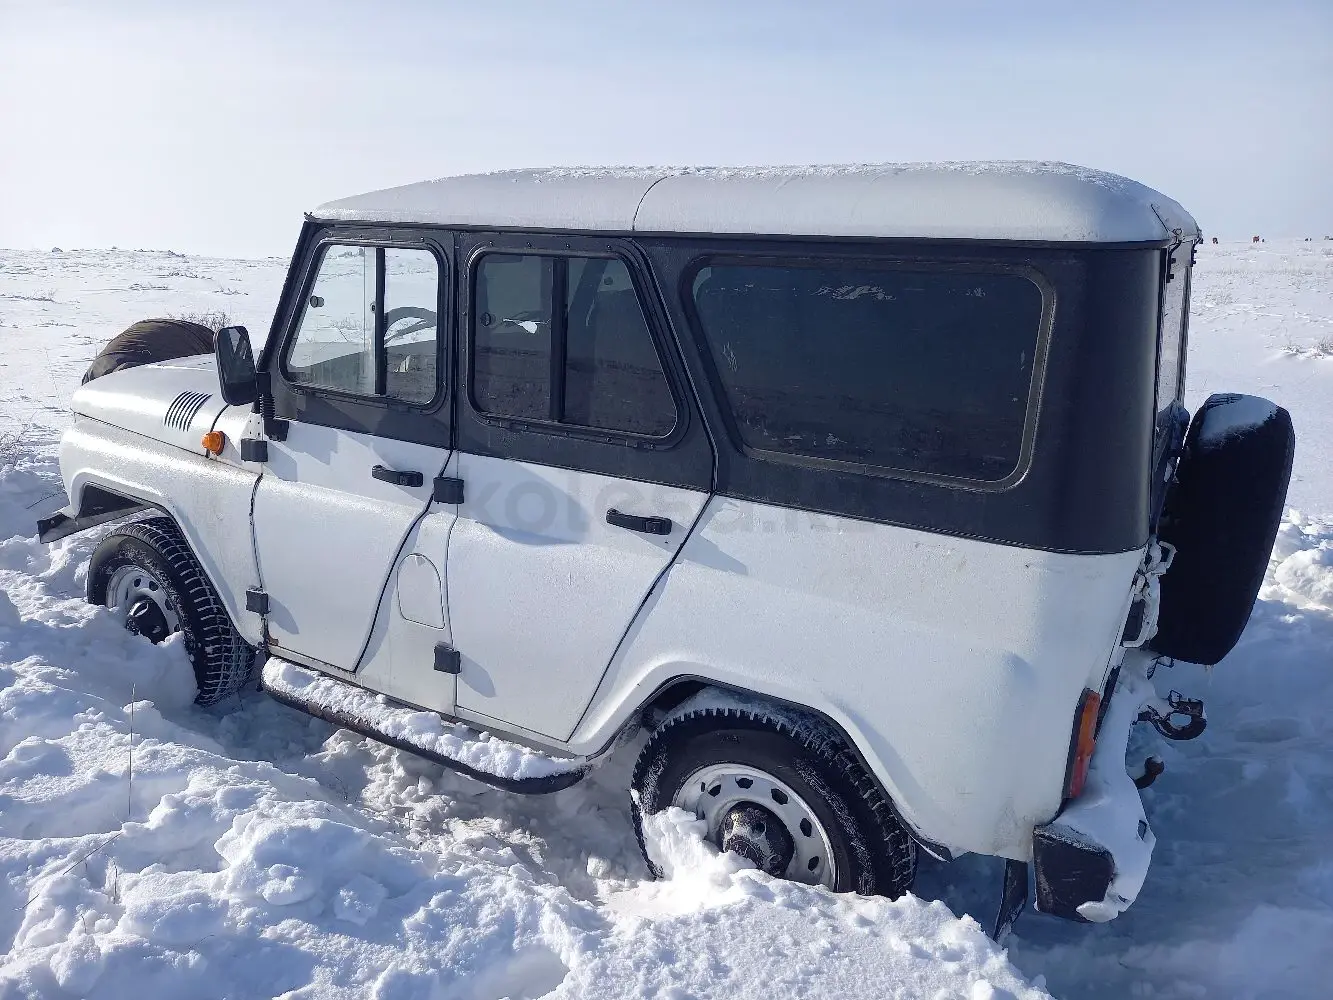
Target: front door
<point>584,464</point>
<point>359,378</point>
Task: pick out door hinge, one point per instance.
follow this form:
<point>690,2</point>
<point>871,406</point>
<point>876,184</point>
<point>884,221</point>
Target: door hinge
<point>447,490</point>
<point>257,601</point>
<point>447,659</point>
<point>1141,622</point>
<point>254,450</point>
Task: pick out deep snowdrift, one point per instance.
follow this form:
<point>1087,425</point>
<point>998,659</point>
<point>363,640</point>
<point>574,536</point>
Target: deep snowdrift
<point>151,848</point>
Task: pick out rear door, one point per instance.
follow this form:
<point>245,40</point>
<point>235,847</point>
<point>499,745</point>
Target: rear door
<point>584,465</point>
<point>358,377</point>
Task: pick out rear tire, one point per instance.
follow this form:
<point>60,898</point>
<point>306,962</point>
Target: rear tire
<point>872,853</point>
<point>146,569</point>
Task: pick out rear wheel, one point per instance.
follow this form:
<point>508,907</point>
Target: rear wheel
<point>782,792</point>
<point>146,570</point>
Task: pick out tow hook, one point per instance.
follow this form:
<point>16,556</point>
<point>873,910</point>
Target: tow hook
<point>1177,705</point>
<point>1152,770</point>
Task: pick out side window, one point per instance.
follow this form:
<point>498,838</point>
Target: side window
<point>613,376</point>
<point>1171,346</point>
<point>919,370</point>
<point>511,352</point>
<point>411,324</point>
<point>334,345</point>
<point>370,324</point>
<point>564,339</point>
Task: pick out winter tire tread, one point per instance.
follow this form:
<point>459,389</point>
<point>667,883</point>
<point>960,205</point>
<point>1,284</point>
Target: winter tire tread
<point>222,660</point>
<point>885,852</point>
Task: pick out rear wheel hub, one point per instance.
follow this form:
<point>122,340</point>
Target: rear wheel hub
<point>763,819</point>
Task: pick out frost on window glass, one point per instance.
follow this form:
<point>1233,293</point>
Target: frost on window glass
<point>924,371</point>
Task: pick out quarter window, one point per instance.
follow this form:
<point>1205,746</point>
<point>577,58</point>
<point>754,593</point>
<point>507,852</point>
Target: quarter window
<point>370,324</point>
<point>565,339</point>
<point>1175,302</point>
<point>920,370</point>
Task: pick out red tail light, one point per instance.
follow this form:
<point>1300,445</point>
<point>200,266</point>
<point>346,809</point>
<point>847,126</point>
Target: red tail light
<point>1082,743</point>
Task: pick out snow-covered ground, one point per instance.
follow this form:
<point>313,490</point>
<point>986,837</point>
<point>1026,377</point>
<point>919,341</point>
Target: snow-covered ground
<point>149,848</point>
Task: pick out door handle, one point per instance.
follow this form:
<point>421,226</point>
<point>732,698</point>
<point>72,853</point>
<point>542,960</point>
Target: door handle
<point>397,478</point>
<point>648,525</point>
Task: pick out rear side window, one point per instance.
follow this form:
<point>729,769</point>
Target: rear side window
<point>511,331</point>
<point>919,370</point>
<point>564,339</point>
<point>1171,347</point>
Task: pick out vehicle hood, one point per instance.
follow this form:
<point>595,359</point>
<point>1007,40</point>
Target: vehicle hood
<point>171,401</point>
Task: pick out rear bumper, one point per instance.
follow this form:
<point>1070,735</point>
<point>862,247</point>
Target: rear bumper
<point>1090,861</point>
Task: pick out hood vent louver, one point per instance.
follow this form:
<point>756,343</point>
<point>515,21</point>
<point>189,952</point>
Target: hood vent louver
<point>183,408</point>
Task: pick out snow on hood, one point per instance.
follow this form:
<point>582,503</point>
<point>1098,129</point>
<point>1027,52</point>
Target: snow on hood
<point>172,401</point>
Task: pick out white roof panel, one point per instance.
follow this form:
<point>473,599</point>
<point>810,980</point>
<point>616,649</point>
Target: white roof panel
<point>1012,200</point>
<point>593,198</point>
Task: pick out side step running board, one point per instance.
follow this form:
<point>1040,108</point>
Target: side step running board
<point>487,758</point>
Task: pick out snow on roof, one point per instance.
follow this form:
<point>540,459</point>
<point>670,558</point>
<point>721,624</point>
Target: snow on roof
<point>1003,200</point>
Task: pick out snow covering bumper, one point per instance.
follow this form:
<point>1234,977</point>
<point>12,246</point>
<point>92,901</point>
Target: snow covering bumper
<point>1091,860</point>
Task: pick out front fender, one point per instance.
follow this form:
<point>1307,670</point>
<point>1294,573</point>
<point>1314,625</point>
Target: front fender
<point>210,502</point>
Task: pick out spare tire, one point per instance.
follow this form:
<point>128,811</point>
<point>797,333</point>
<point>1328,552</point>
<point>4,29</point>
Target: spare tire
<point>1222,514</point>
<point>151,340</point>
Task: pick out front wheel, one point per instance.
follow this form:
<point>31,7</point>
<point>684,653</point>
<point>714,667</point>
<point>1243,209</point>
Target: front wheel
<point>146,570</point>
<point>784,793</point>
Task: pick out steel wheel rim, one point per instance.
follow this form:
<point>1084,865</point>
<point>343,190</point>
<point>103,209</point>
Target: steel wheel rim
<point>712,792</point>
<point>129,584</point>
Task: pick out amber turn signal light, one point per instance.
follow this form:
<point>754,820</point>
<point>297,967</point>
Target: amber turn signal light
<point>214,442</point>
<point>1085,738</point>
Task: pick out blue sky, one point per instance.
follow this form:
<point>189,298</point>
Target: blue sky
<point>194,127</point>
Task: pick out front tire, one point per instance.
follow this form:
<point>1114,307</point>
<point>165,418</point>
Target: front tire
<point>146,570</point>
<point>784,792</point>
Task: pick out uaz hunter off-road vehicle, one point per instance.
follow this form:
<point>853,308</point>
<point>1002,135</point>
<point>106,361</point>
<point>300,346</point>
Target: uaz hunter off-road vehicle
<point>868,491</point>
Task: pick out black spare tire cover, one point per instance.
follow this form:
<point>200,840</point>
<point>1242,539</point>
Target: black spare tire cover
<point>1222,514</point>
<point>151,340</point>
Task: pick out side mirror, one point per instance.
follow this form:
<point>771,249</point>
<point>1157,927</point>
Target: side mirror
<point>236,366</point>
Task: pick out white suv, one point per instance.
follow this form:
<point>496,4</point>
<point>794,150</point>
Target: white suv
<point>857,487</point>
